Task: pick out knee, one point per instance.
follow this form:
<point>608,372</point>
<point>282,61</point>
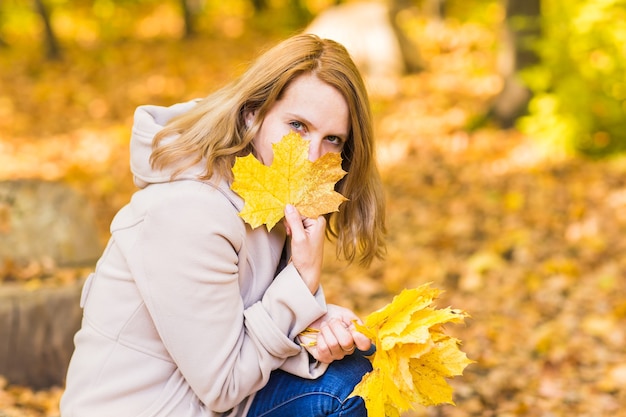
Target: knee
<point>360,365</point>
<point>348,372</point>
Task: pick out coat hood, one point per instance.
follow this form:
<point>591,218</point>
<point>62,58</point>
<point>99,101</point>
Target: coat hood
<point>148,121</point>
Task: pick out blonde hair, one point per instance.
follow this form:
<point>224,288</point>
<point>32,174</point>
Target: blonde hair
<point>215,132</point>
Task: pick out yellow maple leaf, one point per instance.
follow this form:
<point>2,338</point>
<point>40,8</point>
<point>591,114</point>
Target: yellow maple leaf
<point>430,370</point>
<point>290,179</point>
<point>419,329</point>
<point>381,394</point>
<point>413,355</point>
<point>397,314</point>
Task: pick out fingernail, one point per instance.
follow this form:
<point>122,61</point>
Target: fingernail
<point>290,208</point>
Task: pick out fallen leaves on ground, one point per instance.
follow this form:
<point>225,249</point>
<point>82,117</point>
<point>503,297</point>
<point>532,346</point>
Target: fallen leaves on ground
<point>20,401</point>
<point>529,243</point>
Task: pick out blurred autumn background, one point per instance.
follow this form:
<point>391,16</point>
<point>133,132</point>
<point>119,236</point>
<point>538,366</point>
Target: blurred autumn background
<point>500,126</point>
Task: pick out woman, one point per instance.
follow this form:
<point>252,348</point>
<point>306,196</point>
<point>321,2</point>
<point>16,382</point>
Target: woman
<point>190,312</point>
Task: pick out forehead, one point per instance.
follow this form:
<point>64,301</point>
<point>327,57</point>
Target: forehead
<point>313,98</point>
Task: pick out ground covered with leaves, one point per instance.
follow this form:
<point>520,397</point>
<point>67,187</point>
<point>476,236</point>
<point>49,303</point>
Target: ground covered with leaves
<point>527,241</point>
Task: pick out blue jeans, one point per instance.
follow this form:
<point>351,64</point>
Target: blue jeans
<point>289,395</point>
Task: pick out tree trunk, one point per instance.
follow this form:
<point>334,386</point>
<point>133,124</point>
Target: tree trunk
<point>53,51</point>
<point>435,9</point>
<point>259,5</point>
<point>410,52</point>
<point>188,18</point>
<point>37,330</point>
<point>3,43</point>
<point>521,29</point>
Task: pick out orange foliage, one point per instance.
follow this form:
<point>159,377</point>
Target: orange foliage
<point>531,245</point>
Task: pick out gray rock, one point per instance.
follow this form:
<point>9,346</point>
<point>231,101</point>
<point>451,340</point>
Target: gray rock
<point>37,328</point>
<point>44,220</point>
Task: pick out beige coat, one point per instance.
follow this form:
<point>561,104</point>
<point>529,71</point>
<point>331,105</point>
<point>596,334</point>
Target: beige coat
<point>185,315</point>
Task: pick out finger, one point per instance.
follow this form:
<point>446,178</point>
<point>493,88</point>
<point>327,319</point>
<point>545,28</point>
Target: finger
<point>319,226</point>
<point>358,339</point>
<point>316,224</point>
<point>293,219</point>
<point>287,228</point>
<point>361,341</point>
<point>333,345</point>
<point>324,354</point>
<point>339,339</point>
<point>342,335</point>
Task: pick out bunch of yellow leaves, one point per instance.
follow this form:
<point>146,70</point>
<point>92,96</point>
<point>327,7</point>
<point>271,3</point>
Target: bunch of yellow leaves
<point>290,179</point>
<point>413,355</point>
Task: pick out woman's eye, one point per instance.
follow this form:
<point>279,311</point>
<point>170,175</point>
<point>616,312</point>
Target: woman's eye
<point>335,140</point>
<point>296,125</point>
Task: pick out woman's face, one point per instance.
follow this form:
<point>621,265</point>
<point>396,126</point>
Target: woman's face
<point>310,107</point>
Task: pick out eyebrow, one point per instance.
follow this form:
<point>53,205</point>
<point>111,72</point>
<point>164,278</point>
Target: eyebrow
<point>343,136</point>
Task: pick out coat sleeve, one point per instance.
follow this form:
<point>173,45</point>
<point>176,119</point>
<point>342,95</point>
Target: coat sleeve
<point>186,266</point>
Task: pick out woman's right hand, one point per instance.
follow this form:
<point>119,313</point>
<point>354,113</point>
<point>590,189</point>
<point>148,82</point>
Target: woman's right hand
<point>335,335</point>
<point>307,245</point>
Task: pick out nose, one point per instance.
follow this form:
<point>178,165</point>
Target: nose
<point>315,149</point>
